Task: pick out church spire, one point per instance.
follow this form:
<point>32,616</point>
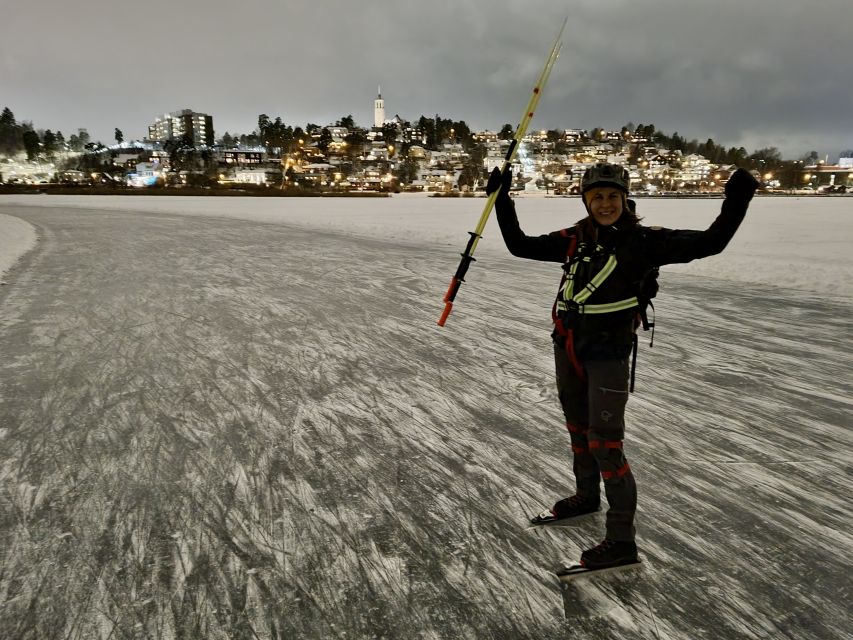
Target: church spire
<point>379,109</point>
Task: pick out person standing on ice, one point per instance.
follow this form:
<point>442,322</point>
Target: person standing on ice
<point>605,258</point>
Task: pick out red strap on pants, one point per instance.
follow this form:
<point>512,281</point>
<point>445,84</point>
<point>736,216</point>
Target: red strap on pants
<point>621,471</point>
<point>573,358</point>
<point>605,444</point>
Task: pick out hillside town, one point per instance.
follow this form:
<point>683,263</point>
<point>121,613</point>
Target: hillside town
<point>434,155</point>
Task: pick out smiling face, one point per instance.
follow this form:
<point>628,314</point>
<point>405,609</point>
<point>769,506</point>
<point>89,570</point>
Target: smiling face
<point>605,204</point>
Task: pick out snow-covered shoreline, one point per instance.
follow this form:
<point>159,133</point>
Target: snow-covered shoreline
<point>788,242</point>
<point>16,238</point>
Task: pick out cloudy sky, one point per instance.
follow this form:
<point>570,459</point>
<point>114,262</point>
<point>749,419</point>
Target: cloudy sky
<point>753,73</point>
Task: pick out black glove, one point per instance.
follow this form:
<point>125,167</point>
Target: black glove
<point>496,179</point>
<point>741,186</point>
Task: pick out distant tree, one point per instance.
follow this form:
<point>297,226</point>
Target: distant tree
<point>264,130</point>
<point>279,136</point>
<point>555,136</point>
<point>468,176</point>
<point>477,154</point>
<point>427,126</point>
<point>709,150</point>
<point>263,123</point>
<point>325,140</point>
<point>789,173</point>
<point>32,144</point>
<point>227,140</point>
<point>171,147</point>
<point>769,157</point>
<point>443,130</point>
<point>49,141</point>
<point>346,121</point>
<point>407,171</point>
<point>78,141</point>
<point>677,142</point>
<point>312,128</point>
<point>634,154</point>
<point>736,155</point>
<point>60,141</point>
<point>847,153</point>
<point>355,140</point>
<point>507,131</point>
<point>463,134</point>
<point>271,133</point>
<point>209,163</point>
<point>810,158</point>
<point>389,133</point>
<point>119,136</point>
<point>10,133</point>
<point>7,118</point>
<point>596,134</point>
<point>472,169</point>
<point>249,140</point>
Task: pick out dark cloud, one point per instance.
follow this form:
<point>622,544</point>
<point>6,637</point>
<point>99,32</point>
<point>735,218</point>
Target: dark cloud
<point>760,73</point>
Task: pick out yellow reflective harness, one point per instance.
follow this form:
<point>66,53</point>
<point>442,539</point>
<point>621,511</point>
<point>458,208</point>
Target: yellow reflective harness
<point>568,300</point>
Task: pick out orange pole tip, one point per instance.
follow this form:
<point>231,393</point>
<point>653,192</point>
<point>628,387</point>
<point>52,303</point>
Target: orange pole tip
<point>450,290</point>
<point>444,314</point>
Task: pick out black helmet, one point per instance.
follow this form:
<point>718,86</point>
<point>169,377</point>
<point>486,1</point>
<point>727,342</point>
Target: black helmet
<point>602,174</point>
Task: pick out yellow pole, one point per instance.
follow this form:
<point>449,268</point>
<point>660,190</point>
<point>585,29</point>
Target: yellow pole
<point>520,132</point>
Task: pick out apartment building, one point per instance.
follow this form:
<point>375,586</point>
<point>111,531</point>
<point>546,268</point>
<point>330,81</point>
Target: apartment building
<point>176,125</point>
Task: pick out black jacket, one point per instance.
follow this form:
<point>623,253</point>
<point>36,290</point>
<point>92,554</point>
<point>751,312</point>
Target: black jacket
<point>637,249</point>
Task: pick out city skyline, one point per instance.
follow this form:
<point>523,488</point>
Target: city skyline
<point>749,76</point>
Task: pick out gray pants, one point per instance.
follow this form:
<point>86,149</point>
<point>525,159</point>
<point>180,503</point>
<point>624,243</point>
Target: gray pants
<point>594,407</point>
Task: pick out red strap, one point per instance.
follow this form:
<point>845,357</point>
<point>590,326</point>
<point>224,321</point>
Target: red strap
<point>621,471</point>
<point>570,232</point>
<point>606,444</point>
<point>573,245</point>
<point>573,428</point>
<point>570,351</point>
<point>579,449</point>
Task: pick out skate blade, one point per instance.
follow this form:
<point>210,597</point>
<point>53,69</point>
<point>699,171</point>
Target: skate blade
<point>559,522</point>
<point>562,522</point>
<point>572,572</point>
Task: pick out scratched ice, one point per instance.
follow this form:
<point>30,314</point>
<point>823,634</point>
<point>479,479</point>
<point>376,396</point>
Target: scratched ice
<point>236,417</point>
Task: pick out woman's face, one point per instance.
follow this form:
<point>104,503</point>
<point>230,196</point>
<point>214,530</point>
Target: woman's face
<point>605,204</point>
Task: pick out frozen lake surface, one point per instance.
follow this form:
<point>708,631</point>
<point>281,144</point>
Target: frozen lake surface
<point>237,418</point>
